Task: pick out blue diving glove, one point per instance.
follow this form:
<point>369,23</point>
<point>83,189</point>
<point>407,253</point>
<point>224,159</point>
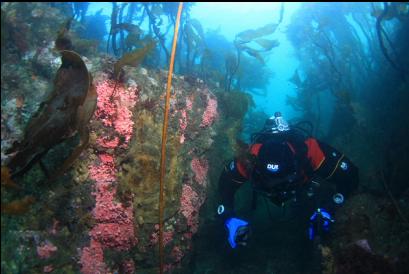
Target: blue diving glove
<point>320,220</point>
<point>238,231</point>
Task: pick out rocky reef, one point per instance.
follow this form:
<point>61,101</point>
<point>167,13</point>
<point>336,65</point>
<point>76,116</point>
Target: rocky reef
<point>119,178</point>
<point>102,214</point>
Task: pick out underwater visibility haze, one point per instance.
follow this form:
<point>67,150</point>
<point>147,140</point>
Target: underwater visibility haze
<point>167,137</point>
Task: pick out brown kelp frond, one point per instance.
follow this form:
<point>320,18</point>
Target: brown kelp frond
<point>63,41</point>
<point>267,44</point>
<point>253,52</point>
<point>245,42</point>
<point>295,79</point>
<point>381,34</point>
<point>86,110</point>
<point>56,120</point>
<point>193,32</point>
<point>18,207</point>
<point>6,180</point>
<point>84,115</point>
<point>133,58</point>
<point>249,35</point>
<point>127,27</point>
<point>243,39</point>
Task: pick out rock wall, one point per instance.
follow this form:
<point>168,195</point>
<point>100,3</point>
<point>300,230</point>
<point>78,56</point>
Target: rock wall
<point>118,177</point>
<point>102,215</point>
<point>124,159</point>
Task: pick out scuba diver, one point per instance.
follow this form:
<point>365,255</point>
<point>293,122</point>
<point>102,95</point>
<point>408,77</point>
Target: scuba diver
<point>280,163</point>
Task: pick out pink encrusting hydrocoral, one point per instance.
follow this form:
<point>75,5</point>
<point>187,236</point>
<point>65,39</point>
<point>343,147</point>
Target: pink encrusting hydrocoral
<point>182,125</point>
<point>123,123</point>
<point>115,235</point>
<point>128,266</point>
<point>92,259</point>
<point>210,114</point>
<point>48,268</point>
<point>200,168</point>
<point>177,253</point>
<point>113,106</point>
<point>190,203</point>
<point>167,237</point>
<point>183,119</point>
<point>107,143</point>
<point>105,172</point>
<point>114,222</point>
<point>106,110</point>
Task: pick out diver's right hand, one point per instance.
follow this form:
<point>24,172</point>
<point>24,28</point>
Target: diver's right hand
<point>238,231</point>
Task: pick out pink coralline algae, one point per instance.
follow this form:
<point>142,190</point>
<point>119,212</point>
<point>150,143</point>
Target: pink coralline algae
<point>200,168</point>
<point>190,203</point>
<point>210,114</point>
<point>46,250</point>
<point>114,227</point>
